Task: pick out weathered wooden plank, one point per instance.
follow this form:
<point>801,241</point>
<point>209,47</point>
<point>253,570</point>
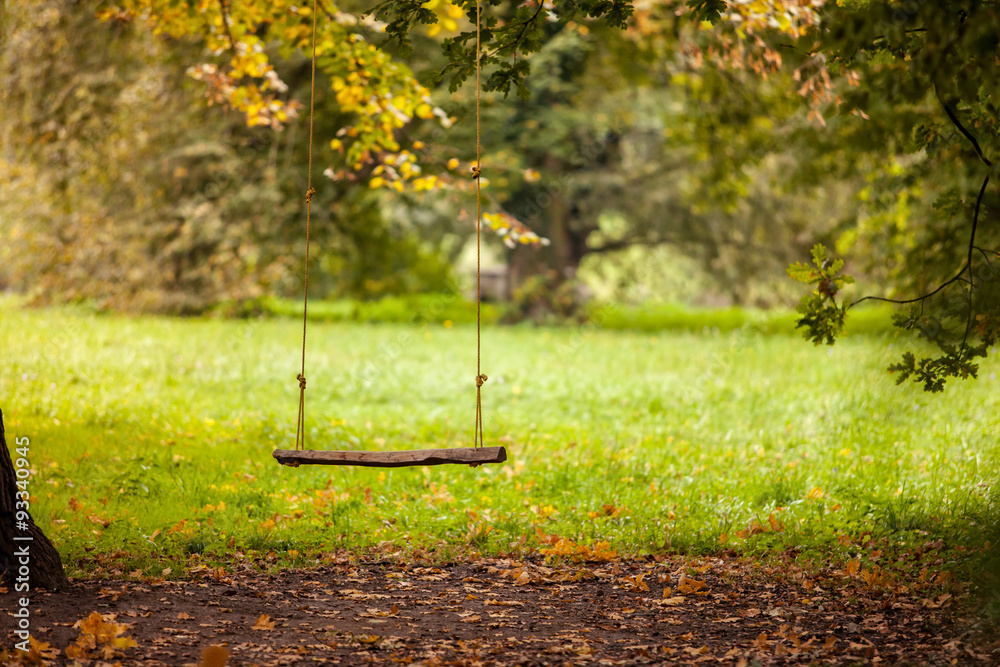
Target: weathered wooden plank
<point>395,459</point>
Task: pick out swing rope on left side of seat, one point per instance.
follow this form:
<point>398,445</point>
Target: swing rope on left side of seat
<point>473,456</point>
<point>300,422</point>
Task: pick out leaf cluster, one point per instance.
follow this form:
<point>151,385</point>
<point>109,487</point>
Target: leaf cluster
<point>822,316</point>
<point>506,37</point>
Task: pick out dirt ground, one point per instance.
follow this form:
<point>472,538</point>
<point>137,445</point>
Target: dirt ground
<point>498,612</point>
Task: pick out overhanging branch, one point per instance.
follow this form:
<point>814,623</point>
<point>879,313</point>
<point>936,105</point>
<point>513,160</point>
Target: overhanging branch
<point>967,267</point>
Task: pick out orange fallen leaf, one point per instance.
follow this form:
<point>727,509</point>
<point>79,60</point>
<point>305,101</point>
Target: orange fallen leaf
<point>183,616</point>
<point>688,585</point>
<point>636,583</point>
<point>264,623</point>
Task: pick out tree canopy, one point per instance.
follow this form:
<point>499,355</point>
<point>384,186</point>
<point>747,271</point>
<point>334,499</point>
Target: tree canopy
<point>740,133</point>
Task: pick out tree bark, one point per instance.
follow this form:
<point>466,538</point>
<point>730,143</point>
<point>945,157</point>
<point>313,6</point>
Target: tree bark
<point>26,555</point>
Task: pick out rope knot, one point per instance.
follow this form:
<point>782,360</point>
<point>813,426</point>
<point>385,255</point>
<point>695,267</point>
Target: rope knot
<point>476,171</point>
<point>309,194</point>
<point>480,379</point>
<point>302,381</point>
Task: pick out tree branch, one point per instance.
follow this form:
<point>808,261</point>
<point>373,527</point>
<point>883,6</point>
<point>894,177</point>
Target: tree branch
<point>966,267</point>
<point>972,236</point>
<point>224,5</point>
<point>961,128</point>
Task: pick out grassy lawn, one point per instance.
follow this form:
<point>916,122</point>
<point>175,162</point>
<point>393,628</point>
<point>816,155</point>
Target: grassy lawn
<point>152,439</point>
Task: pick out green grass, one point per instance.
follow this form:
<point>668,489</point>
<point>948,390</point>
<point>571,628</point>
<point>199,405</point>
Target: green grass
<point>152,438</point>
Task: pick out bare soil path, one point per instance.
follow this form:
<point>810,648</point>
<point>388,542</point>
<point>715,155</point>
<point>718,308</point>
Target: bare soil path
<point>497,612</point>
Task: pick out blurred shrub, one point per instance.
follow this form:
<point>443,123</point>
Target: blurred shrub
<point>409,309</point>
<point>675,317</point>
<point>663,317</point>
<point>544,299</point>
<point>446,307</point>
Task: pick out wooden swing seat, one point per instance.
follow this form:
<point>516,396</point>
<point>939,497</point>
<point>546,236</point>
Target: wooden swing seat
<point>472,456</point>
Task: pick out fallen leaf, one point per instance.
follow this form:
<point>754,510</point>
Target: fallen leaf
<point>264,623</point>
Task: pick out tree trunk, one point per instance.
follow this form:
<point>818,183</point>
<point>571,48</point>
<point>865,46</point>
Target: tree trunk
<point>26,555</point>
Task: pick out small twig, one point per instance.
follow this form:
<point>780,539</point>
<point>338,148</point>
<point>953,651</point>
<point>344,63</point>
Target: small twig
<point>987,258</point>
<point>513,44</point>
<point>224,4</point>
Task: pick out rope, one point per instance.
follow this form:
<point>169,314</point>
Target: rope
<point>300,426</point>
<point>477,172</point>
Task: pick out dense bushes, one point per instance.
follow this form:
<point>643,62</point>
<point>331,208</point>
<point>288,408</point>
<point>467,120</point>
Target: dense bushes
<point>452,309</point>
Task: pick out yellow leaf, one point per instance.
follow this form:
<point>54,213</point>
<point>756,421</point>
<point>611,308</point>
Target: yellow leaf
<point>453,163</point>
<point>425,111</point>
<point>853,567</point>
<point>92,624</point>
<point>264,623</point>
<point>75,653</point>
<point>376,182</point>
